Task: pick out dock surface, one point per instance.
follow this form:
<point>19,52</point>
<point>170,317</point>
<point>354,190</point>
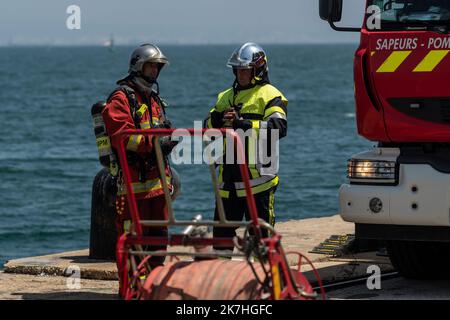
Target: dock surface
<point>48,277</point>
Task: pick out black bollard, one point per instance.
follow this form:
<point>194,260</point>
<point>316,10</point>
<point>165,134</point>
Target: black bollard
<point>103,212</point>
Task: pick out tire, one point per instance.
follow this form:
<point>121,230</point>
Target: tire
<point>103,213</point>
<point>420,260</point>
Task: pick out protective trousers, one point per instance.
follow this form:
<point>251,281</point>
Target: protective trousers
<point>236,208</point>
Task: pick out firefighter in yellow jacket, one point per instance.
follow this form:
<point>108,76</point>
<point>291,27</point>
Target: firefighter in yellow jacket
<point>252,103</point>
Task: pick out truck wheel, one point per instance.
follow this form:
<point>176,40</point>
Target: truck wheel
<point>420,260</point>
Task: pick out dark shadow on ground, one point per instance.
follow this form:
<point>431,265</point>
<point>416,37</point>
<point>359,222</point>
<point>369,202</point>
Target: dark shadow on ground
<point>85,259</point>
<point>61,295</point>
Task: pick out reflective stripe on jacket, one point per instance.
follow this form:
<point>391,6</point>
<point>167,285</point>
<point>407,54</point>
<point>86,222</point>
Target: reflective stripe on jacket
<point>117,117</point>
<point>264,107</point>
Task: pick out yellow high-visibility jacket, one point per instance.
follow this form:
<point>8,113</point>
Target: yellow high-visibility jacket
<point>261,107</point>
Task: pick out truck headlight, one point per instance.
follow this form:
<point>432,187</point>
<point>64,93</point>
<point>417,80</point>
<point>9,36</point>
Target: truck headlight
<point>372,171</point>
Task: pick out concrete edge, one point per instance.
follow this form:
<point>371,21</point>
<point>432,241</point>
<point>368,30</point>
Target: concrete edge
<point>92,274</point>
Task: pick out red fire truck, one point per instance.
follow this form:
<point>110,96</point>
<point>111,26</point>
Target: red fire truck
<point>399,192</point>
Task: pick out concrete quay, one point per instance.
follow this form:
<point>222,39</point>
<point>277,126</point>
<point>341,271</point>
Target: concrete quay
<point>47,277</point>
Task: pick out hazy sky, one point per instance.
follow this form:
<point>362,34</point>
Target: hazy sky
<point>173,21</point>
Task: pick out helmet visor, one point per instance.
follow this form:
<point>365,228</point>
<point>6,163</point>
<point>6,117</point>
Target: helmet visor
<point>238,61</point>
<point>162,61</point>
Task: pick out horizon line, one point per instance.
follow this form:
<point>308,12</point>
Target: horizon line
<point>12,45</point>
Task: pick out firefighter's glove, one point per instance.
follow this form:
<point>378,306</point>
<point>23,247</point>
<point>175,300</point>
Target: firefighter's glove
<point>167,145</point>
<point>242,124</point>
<point>217,119</point>
<point>167,124</point>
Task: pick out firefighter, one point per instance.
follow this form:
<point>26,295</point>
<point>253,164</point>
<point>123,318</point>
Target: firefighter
<point>136,104</point>
<point>251,103</point>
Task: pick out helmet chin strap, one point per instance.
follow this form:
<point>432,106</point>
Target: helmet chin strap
<point>146,84</point>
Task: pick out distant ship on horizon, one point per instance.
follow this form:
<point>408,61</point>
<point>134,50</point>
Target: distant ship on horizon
<point>109,44</point>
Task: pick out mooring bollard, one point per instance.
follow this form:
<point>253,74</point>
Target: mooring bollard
<point>103,212</point>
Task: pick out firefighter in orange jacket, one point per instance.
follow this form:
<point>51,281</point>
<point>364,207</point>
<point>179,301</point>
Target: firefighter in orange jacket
<point>136,104</point>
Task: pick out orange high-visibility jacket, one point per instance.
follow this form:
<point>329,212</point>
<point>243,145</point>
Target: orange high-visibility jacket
<point>118,117</point>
